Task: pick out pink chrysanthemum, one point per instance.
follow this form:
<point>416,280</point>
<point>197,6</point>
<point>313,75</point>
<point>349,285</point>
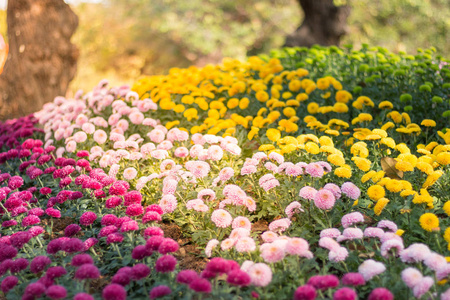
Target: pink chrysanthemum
<point>308,193</point>
<point>272,252</point>
<point>351,219</point>
<point>370,268</point>
<point>387,246</point>
<point>221,218</point>
<point>330,233</point>
<point>324,199</point>
<point>241,222</point>
<point>293,208</point>
<point>297,246</point>
<point>411,277</point>
<point>351,190</point>
<point>314,170</point>
<point>373,232</point>
<point>338,254</point>
<point>168,203</point>
<point>387,224</point>
<point>280,225</point>
<point>423,287</point>
<point>245,244</point>
<point>260,274</point>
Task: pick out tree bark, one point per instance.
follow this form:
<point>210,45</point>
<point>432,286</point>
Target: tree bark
<point>41,60</point>
<point>324,24</point>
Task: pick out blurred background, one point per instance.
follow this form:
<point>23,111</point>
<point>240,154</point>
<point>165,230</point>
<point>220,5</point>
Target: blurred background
<point>123,40</point>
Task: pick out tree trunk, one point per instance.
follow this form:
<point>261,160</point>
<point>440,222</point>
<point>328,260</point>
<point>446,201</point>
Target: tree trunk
<point>324,24</point>
<point>41,60</point>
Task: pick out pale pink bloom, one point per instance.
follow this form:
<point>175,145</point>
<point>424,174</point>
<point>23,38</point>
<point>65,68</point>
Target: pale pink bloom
<point>297,246</point>
<point>415,253</point>
<point>233,149</point>
<point>169,187</point>
<point>268,185</point>
<point>330,233</point>
<point>446,295</point>
<point>293,208</point>
<point>308,193</point>
<point>259,156</point>
<point>271,167</point>
<point>129,173</point>
<point>123,125</point>
<point>352,219</point>
<point>352,234</point>
<point>241,222</point>
<point>201,207</point>
<point>117,130</point>
<point>181,152</point>
<point>119,145</point>
<point>326,166</point>
<point>210,139</point>
<point>215,153</point>
<point>100,122</point>
<point>159,154</point>
<point>116,137</point>
<point>168,203</point>
<point>390,244</point>
<point>200,169</point>
<point>250,204</point>
<point>265,178</point>
<point>80,137</point>
<point>225,202</point>
<point>294,171</point>
<point>337,255</point>
<point>89,128</point>
<point>147,148</point>
<point>149,122</point>
<point>334,189</point>
<point>411,277</point>
<point>276,157</point>
<point>59,134</point>
<point>81,119</point>
<point>283,166</point>
<point>113,119</point>
<point>165,145</point>
<point>131,145</point>
<point>324,199</point>
<point>167,165</point>
<point>206,195</point>
<point>94,155</point>
<point>100,136</point>
<point>443,272</point>
<point>146,105</point>
<point>260,274</point>
<point>238,233</point>
<point>221,218</point>
<point>373,232</point>
<point>135,156</point>
<point>371,268</point>
<point>68,132</point>
<point>314,170</point>
<point>195,150</point>
<point>247,170</point>
<point>104,161</point>
<point>203,155</point>
<point>71,146</point>
<point>136,117</point>
<point>191,203</point>
<point>141,182</point>
<point>423,287</point>
<point>210,246</point>
<point>235,193</point>
<point>246,265</point>
<point>48,143</point>
<point>280,225</point>
<point>227,244</point>
<point>124,110</point>
<point>60,151</point>
<point>96,149</point>
<point>113,170</point>
<point>156,136</point>
<point>328,243</point>
<point>197,139</point>
<point>226,173</point>
<point>434,261</point>
<point>387,224</point>
<point>390,236</point>
<point>272,252</point>
<point>245,244</point>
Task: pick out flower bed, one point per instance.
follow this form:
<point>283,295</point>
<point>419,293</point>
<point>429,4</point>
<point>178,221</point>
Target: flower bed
<point>319,173</point>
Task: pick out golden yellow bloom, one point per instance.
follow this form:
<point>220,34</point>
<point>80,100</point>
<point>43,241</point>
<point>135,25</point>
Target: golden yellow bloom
<point>393,185</point>
<point>380,205</point>
<point>254,131</point>
<point>323,83</point>
<point>432,178</point>
<point>387,126</point>
<point>399,232</point>
<point>326,141</point>
<point>408,157</point>
<point>295,85</point>
<point>366,177</point>
<point>375,192</point>
<point>336,159</point>
<point>190,114</point>
<point>302,97</point>
<point>312,108</point>
<point>292,103</point>
<point>187,99</point>
<point>266,147</point>
<point>273,134</point>
<point>446,208</point>
<point>406,118</point>
<point>388,142</point>
<point>428,123</point>
<point>365,117</point>
<point>429,222</point>
<point>362,163</point>
<point>395,116</point>
<point>424,167</point>
<point>360,149</point>
<point>302,72</point>
<point>406,193</point>
<point>447,235</point>
<point>385,105</point>
<point>288,148</point>
<point>169,125</point>
<point>273,115</point>
<point>289,112</point>
<point>343,96</point>
<point>340,107</point>
<point>332,132</point>
<point>404,166</point>
<point>423,197</point>
<point>262,96</point>
<point>443,158</point>
<point>402,148</point>
<point>243,103</point>
<point>343,172</point>
<point>312,148</point>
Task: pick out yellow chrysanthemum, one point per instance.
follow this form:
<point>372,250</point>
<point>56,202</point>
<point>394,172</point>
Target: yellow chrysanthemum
<point>428,123</point>
<point>336,160</point>
<point>362,163</point>
<point>404,166</point>
<point>388,142</point>
<point>376,192</point>
<point>266,147</point>
<point>312,108</point>
<point>385,105</point>
<point>343,172</point>
<point>343,96</point>
<point>273,134</point>
<point>366,177</point>
<point>446,208</point>
<point>429,222</point>
<point>443,158</point>
<point>447,235</point>
<point>432,178</point>
<point>393,185</point>
<point>312,148</point>
<point>380,205</point>
<point>340,107</point>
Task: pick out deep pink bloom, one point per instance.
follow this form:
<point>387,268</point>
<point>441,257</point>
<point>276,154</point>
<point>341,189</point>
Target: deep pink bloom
<point>87,271</point>
<point>107,230</point>
<point>200,285</point>
<point>151,231</point>
<point>345,293</point>
<point>120,188</point>
<point>380,294</point>
<point>88,218</point>
<point>167,246</point>
<point>71,230</point>
<point>140,271</point>
<point>186,276</point>
<point>121,278</point>
<point>239,278</point>
<point>160,291</point>
<point>305,292</point>
<point>324,282</point>
<point>109,220</point>
<point>151,216</point>
<point>9,223</point>
<point>56,292</point>
<point>39,263</point>
<point>114,291</point>
<point>53,212</point>
<point>140,252</point>
<point>114,238</point>
<point>15,182</point>
<point>218,265</point>
<point>19,239</point>
<point>83,296</point>
<point>9,283</point>
<point>45,190</point>
<point>134,210</point>
<point>353,279</point>
<point>129,226</point>
<point>113,202</point>
<point>90,242</point>
<point>155,208</point>
<point>81,259</point>
<point>73,245</point>
<point>35,289</point>
<point>19,265</point>
<point>55,272</point>
<point>165,264</point>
